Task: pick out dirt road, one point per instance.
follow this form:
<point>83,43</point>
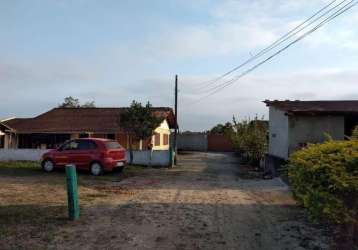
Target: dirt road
<point>201,204</point>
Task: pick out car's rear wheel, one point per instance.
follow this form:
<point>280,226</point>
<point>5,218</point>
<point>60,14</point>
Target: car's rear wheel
<point>96,169</point>
<point>48,166</point>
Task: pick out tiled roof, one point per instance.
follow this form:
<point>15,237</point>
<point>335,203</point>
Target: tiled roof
<point>316,107</point>
<point>79,120</point>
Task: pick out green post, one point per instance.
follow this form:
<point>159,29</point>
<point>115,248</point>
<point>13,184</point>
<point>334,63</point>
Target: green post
<point>72,194</point>
<point>171,157</point>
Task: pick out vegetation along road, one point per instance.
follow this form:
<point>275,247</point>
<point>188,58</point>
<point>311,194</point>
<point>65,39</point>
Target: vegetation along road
<point>204,203</point>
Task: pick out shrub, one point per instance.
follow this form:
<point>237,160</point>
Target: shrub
<point>355,133</point>
<point>324,178</point>
<point>250,139</point>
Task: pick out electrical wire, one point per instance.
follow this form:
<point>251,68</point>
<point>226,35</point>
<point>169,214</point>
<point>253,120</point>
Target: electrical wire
<point>279,41</point>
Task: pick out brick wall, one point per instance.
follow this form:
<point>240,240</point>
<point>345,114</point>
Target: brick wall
<point>220,143</point>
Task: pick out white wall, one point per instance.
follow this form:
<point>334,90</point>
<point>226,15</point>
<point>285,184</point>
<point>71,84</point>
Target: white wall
<point>312,129</point>
<point>158,158</point>
<point>278,133</point>
<point>286,133</point>
<point>21,154</point>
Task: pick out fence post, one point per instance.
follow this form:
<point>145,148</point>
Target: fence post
<point>72,194</point>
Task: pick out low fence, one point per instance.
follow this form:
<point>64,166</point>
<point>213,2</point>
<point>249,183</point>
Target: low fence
<point>21,154</point>
<point>150,158</point>
<point>146,158</point>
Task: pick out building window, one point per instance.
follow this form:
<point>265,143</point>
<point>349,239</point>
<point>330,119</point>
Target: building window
<point>156,139</point>
<point>165,139</point>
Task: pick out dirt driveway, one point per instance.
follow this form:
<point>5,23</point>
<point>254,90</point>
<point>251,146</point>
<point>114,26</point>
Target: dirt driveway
<point>201,204</point>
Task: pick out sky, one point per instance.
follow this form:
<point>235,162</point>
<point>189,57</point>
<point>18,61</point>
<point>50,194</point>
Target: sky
<point>113,52</point>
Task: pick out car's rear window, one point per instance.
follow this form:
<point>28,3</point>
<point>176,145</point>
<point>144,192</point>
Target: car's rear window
<point>112,145</point>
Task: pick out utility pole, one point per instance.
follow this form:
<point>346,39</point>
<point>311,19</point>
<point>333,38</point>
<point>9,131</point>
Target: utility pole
<point>176,119</point>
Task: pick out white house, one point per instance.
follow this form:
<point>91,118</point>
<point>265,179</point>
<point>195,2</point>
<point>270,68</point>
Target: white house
<point>293,124</point>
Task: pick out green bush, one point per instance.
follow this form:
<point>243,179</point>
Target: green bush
<point>355,133</point>
<point>250,139</point>
<point>324,179</point>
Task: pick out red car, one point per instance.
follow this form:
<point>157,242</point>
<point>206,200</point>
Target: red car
<point>96,155</point>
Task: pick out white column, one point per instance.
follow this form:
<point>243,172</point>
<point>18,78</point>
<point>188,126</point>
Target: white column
<point>6,141</point>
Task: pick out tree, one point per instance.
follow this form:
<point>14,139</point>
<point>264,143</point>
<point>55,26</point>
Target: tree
<point>71,102</point>
<point>250,139</point>
<point>140,122</point>
<point>88,105</point>
<point>226,129</point>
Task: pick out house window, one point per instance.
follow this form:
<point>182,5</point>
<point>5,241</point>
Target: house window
<point>156,139</point>
<point>165,139</point>
<point>111,136</point>
<point>84,135</point>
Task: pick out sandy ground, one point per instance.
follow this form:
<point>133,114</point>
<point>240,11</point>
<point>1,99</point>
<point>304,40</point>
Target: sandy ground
<point>201,204</point>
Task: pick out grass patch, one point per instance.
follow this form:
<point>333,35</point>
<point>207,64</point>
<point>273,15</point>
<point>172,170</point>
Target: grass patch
<point>134,170</point>
<point>20,168</point>
<point>28,169</point>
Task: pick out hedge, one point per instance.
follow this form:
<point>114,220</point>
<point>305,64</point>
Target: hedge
<point>324,179</point>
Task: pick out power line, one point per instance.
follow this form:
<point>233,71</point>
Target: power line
<point>233,80</point>
<point>278,41</point>
<point>328,19</point>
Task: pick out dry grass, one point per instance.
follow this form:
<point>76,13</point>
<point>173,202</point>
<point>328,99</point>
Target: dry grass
<point>34,204</point>
<point>29,226</point>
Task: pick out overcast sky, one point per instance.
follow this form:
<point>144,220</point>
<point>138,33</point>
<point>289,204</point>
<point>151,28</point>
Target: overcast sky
<point>115,51</point>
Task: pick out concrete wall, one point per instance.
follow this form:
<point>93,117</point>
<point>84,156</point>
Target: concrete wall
<point>158,158</point>
<point>21,154</point>
<point>192,142</point>
<point>312,129</point>
<point>278,133</point>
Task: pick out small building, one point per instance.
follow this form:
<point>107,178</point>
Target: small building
<point>58,125</point>
<point>293,124</point>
